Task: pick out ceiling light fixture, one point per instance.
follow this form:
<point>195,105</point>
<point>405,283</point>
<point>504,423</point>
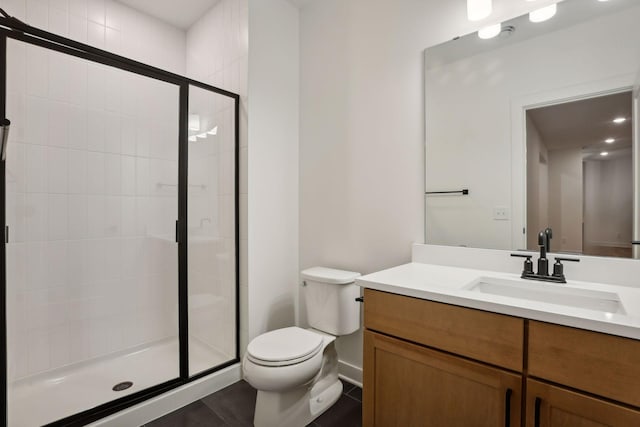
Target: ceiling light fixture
<point>610,140</point>
<point>478,9</point>
<point>604,153</point>
<point>543,14</point>
<point>490,32</point>
<point>619,120</point>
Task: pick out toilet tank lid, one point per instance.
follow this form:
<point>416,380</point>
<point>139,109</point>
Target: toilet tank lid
<point>329,275</point>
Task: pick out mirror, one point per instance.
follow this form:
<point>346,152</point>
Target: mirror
<point>520,133</point>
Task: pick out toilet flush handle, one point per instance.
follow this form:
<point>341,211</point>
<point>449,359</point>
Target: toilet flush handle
<point>360,299</point>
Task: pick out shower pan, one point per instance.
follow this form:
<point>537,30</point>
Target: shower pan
<point>119,275</point>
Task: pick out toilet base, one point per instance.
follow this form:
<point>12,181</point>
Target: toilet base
<point>298,407</point>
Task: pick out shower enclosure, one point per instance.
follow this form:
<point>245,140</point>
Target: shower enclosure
<point>119,272</point>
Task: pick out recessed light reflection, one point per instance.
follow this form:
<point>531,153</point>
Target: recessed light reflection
<point>490,32</point>
<point>604,153</point>
<point>610,140</point>
<point>619,120</point>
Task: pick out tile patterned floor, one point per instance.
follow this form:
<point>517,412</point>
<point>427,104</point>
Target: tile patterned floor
<point>234,406</point>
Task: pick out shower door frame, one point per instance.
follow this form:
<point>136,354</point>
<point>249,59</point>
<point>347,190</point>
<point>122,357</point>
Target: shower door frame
<point>11,28</point>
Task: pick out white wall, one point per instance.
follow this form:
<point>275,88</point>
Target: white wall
<point>273,164</point>
<point>469,118</point>
<point>361,129</point>
<point>565,200</point>
<point>608,202</point>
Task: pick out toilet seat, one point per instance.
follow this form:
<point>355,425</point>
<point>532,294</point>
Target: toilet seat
<point>284,347</point>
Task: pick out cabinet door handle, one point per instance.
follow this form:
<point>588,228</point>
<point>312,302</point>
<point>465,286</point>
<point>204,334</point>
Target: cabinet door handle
<point>507,407</point>
<point>536,414</point>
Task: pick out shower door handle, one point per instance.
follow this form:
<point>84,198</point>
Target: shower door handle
<point>4,137</point>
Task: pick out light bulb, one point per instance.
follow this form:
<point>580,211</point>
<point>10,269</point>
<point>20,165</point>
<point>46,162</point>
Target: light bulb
<point>543,14</point>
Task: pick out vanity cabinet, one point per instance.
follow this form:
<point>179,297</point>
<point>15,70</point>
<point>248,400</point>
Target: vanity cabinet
<point>434,364</point>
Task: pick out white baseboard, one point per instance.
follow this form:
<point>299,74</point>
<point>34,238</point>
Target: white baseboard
<point>350,373</point>
<point>170,401</point>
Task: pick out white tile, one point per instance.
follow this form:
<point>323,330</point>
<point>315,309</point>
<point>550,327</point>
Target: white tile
<point>36,217</point>
<point>37,71</point>
<point>128,182</point>
<point>16,66</point>
<point>142,215</point>
<point>96,130</point>
<point>128,216</point>
<point>16,168</point>
<point>39,350</point>
<point>59,68</point>
<point>113,258</point>
<point>113,41</point>
<point>58,22</point>
<point>16,109</point>
<point>96,216</point>
<point>112,214</point>
<point>76,263</point>
<point>77,171</point>
<point>16,216</point>
<point>113,87</point>
<point>128,136</point>
<point>96,11</point>
<point>142,176</point>
<point>77,128</point>
<point>95,260</point>
<point>78,8</point>
<point>58,124</point>
<point>114,14</point>
<point>96,91</point>
<point>143,137</point>
<point>57,212</point>
<point>56,263</point>
<point>61,5</point>
<point>96,35</point>
<point>35,257</point>
<point>36,168</point>
<point>16,8</point>
<point>58,167</point>
<point>77,89</point>
<point>37,111</point>
<point>78,28</point>
<point>77,215</point>
<point>113,132</point>
<point>37,13</point>
<point>113,174</point>
<point>60,354</point>
<point>96,183</point>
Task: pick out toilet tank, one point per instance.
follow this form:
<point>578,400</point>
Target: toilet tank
<point>330,297</point>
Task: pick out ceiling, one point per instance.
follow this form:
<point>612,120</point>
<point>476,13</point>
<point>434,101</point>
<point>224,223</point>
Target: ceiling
<point>586,124</point>
<point>181,14</point>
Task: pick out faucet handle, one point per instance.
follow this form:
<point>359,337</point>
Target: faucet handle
<point>528,264</point>
<point>558,268</point>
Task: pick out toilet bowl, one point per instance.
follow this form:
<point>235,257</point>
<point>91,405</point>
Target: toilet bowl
<point>295,370</point>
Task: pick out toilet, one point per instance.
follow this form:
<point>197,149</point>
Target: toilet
<point>295,370</point>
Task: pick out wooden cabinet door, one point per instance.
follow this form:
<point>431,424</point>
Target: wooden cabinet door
<point>407,385</point>
<point>551,406</point>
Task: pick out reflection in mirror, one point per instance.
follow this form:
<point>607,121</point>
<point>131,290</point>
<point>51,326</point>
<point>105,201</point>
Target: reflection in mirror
<point>565,79</point>
<point>579,175</point>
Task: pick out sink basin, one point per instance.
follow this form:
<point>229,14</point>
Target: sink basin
<point>550,293</point>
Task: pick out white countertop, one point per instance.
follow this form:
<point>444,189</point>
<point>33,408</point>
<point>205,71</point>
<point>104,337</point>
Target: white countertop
<point>447,285</point>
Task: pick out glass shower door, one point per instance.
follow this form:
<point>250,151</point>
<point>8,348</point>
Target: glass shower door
<point>211,230</point>
<point>92,259</point>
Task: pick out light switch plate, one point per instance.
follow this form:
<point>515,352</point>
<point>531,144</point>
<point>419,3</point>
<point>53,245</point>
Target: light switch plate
<point>500,213</point>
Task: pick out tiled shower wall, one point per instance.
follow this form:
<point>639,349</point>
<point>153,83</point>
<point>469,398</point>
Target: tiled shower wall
<point>217,52</point>
<point>91,256</point>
